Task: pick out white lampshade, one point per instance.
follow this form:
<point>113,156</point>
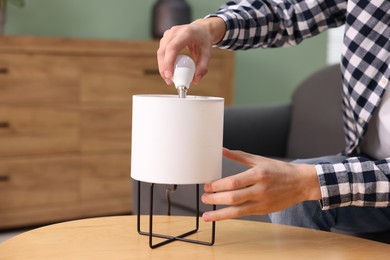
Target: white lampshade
<point>177,141</point>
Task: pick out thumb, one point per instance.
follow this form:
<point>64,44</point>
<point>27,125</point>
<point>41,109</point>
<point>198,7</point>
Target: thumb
<point>241,157</point>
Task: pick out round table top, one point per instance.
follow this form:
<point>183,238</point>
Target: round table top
<point>117,238</point>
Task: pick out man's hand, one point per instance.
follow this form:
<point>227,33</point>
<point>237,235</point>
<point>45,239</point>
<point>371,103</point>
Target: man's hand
<point>268,186</point>
<point>198,37</point>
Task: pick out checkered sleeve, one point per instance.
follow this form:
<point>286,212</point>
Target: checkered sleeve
<point>356,181</point>
<point>277,23</point>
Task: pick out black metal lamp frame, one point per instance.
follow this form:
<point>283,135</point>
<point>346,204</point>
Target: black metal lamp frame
<point>168,238</point>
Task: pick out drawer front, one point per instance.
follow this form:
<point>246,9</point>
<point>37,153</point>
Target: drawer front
<point>105,128</point>
<point>34,129</point>
<point>116,79</point>
<point>106,176</point>
<point>38,182</point>
<point>38,78</point>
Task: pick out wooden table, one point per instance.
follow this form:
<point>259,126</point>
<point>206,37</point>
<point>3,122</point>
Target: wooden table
<point>117,238</point>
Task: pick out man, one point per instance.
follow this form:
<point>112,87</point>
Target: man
<point>349,191</point>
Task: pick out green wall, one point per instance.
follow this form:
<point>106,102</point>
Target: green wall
<point>262,76</point>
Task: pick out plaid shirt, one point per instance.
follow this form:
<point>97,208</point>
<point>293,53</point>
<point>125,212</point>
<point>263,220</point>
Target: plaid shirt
<point>365,70</point>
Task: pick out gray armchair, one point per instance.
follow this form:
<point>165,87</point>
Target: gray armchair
<point>310,126</point>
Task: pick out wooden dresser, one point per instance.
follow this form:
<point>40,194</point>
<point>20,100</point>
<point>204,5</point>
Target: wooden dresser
<point>65,123</point>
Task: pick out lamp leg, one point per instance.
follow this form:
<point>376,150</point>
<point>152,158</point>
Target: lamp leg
<point>168,238</point>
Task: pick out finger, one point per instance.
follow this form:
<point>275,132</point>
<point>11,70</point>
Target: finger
<point>234,197</point>
<point>241,157</point>
<point>229,212</point>
<point>233,182</point>
<point>168,35</point>
<point>202,65</point>
<point>221,214</point>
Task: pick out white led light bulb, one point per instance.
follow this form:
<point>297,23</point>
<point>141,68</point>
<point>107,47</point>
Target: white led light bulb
<point>183,73</point>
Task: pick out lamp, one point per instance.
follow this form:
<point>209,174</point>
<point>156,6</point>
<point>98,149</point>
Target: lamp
<point>176,140</point>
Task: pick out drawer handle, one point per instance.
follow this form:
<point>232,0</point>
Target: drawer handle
<point>151,72</point>
<point>4,124</point>
<point>4,70</point>
<point>5,178</point>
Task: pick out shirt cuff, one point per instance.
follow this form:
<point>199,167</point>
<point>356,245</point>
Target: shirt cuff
<point>335,185</point>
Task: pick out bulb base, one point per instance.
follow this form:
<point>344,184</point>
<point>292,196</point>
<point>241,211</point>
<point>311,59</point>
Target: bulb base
<point>182,91</point>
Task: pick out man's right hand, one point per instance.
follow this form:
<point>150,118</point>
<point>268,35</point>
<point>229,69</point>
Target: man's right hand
<point>198,37</point>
